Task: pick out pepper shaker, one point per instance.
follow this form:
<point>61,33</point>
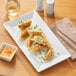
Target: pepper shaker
<point>39,5</point>
<point>50,7</point>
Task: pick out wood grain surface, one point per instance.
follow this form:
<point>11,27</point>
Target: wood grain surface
<point>20,66</point>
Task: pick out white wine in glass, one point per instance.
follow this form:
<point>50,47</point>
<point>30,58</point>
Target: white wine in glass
<point>13,8</point>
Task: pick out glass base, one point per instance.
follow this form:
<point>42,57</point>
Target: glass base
<point>10,17</point>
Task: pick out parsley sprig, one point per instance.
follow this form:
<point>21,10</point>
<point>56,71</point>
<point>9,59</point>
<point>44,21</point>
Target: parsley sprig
<point>33,27</point>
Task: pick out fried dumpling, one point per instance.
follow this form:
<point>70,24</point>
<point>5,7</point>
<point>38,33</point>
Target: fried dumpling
<point>47,43</point>
<point>36,47</point>
<point>24,25</point>
<point>24,33</point>
<point>49,55</point>
<point>43,36</point>
<point>29,41</point>
<point>34,32</point>
<point>39,40</point>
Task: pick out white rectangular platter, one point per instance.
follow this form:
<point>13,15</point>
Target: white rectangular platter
<point>14,31</point>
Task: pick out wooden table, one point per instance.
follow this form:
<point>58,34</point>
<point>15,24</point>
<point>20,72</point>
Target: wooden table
<point>20,66</point>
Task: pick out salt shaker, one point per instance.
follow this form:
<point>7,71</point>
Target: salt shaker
<point>39,5</point>
<point>50,7</point>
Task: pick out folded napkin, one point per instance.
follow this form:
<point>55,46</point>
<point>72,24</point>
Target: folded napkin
<point>66,33</point>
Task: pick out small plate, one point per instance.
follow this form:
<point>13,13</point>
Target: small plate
<point>5,58</point>
<point>14,31</point>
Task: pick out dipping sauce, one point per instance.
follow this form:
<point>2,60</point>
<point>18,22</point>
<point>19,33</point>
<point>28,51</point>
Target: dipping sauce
<point>7,51</point>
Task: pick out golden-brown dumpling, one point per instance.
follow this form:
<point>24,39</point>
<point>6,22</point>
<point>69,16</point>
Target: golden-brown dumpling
<point>34,32</point>
<point>24,25</point>
<point>36,47</point>
<point>49,55</point>
<point>24,33</point>
<point>29,41</point>
<point>38,39</point>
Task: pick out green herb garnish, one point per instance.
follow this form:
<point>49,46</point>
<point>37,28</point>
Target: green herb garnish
<point>37,39</point>
<point>45,51</point>
<point>27,36</point>
<point>0,50</point>
<point>33,27</point>
<point>42,57</point>
<point>57,54</point>
<point>24,29</point>
<point>21,22</point>
<point>35,54</point>
<point>30,27</point>
<point>39,51</point>
<point>41,62</point>
<point>40,29</point>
